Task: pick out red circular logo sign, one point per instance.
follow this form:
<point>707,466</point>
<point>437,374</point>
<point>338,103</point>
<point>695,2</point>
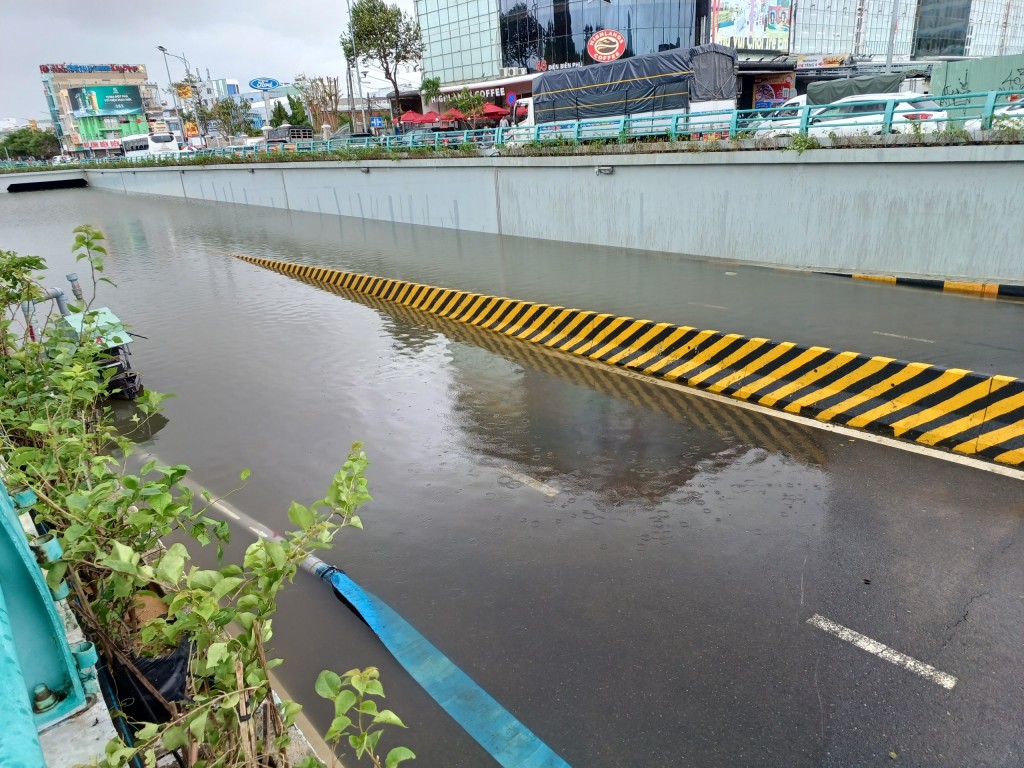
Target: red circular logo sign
<point>606,45</point>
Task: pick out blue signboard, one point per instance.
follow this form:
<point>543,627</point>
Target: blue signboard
<point>264,84</point>
<point>511,98</point>
<point>376,122</point>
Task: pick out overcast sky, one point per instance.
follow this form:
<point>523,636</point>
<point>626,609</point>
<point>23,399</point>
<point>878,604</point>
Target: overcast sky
<point>240,40</point>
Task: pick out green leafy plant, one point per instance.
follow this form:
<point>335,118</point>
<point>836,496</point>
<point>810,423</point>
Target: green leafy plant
<point>356,715</point>
<point>57,436</point>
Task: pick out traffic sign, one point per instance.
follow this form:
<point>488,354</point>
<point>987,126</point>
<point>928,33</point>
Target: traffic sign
<point>264,83</point>
<point>511,98</point>
<point>376,122</point>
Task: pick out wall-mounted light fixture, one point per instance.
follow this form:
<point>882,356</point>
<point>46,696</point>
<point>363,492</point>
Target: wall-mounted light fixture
<point>605,170</point>
<point>252,170</point>
<point>364,170</point>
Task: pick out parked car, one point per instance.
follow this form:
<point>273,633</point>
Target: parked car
<point>863,114</point>
<point>1011,116</point>
<point>784,120</point>
<point>62,160</point>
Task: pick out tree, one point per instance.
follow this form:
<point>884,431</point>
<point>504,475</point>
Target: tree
<point>297,115</point>
<point>192,108</point>
<point>231,117</point>
<point>27,142</point>
<point>322,97</point>
<point>279,115</point>
<point>468,103</point>
<point>382,35</point>
<point>521,36</point>
<point>430,90</point>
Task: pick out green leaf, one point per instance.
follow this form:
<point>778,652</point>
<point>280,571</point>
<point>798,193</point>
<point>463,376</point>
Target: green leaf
<point>174,737</point>
<point>356,522</point>
<point>55,574</point>
<point>244,474</point>
<point>147,467</point>
<point>289,709</point>
<point>301,516</point>
<point>328,684</point>
<point>368,707</point>
<point>146,732</point>
<point>374,688</point>
<point>343,702</point>
<point>216,653</point>
<point>397,755</point>
<point>171,565</point>
<point>227,585</point>
<point>198,724</point>
<point>160,501</point>
<point>338,728</point>
<point>388,717</point>
<point>276,552</point>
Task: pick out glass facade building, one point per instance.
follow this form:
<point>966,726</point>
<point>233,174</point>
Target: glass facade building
<point>474,40</point>
<point>460,39</point>
<point>549,34</point>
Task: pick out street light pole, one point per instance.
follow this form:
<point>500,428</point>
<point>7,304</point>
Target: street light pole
<point>355,59</point>
<point>197,103</point>
<point>174,93</point>
<point>892,35</point>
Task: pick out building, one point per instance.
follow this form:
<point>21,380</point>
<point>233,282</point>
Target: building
<point>212,91</point>
<point>93,105</point>
<point>497,46</point>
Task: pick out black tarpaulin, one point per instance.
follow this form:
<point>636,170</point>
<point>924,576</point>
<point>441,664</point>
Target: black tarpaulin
<point>830,91</point>
<point>655,82</point>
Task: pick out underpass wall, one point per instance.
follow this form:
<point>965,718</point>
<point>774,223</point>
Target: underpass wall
<point>947,212</point>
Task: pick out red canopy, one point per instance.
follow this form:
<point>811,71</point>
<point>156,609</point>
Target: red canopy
<point>429,117</point>
<point>493,110</point>
<point>412,117</point>
<point>452,114</point>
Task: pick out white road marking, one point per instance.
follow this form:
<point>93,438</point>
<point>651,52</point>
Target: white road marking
<point>711,306</point>
<point>906,338</point>
<point>868,437</point>
<point>882,651</point>
<point>537,485</point>
<point>259,532</point>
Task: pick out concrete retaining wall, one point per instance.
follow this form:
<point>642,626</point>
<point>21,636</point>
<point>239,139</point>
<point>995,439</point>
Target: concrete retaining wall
<point>949,212</point>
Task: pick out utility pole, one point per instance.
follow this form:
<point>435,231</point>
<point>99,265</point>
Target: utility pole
<point>355,59</point>
<point>174,94</point>
<point>351,98</point>
<point>892,35</point>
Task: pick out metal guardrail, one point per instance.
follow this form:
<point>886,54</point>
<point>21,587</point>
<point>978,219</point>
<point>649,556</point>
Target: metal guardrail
<point>961,112</point>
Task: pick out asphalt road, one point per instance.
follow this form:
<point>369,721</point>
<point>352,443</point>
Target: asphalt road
<point>628,569</point>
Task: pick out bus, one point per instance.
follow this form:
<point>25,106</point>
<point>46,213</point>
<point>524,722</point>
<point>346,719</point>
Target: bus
<point>153,145</point>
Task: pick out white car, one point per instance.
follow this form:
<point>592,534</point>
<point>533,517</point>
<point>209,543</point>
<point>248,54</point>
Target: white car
<point>862,115</point>
<point>1011,116</point>
<point>784,120</point>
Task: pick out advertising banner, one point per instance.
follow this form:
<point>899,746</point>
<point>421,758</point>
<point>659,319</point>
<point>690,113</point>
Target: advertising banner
<point>772,90</point>
<point>753,25</point>
<point>99,100</point>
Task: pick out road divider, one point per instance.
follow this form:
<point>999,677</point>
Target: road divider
<point>948,408</point>
<point>984,290</point>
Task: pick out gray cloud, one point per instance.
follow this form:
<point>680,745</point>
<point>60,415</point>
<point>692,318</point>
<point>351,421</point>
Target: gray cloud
<point>240,40</point>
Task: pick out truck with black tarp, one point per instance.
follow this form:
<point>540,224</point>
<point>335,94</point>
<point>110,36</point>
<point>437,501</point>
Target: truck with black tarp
<point>651,90</point>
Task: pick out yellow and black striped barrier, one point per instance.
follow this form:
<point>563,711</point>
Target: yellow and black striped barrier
<point>983,290</point>
<point>951,408</point>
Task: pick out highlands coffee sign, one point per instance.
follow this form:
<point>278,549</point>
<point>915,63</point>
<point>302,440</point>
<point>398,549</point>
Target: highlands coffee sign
<point>63,69</point>
<point>606,45</point>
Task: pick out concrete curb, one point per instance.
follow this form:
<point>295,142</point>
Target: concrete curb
<point>955,409</point>
<point>983,290</point>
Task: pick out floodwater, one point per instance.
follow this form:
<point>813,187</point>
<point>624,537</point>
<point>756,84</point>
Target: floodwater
<point>627,568</point>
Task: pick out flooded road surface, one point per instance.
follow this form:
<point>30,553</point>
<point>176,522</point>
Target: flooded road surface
<point>627,568</point>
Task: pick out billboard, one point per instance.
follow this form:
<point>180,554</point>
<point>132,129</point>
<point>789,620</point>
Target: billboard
<point>753,25</point>
<point>93,100</point>
<point>772,90</point>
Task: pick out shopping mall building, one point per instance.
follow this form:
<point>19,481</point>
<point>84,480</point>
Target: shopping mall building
<point>93,105</point>
<point>500,46</point>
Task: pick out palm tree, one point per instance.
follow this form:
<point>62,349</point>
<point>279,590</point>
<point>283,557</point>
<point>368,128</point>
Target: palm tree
<point>430,90</point>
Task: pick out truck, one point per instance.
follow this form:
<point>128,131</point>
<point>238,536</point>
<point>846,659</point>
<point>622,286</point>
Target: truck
<point>289,134</point>
<point>682,86</point>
